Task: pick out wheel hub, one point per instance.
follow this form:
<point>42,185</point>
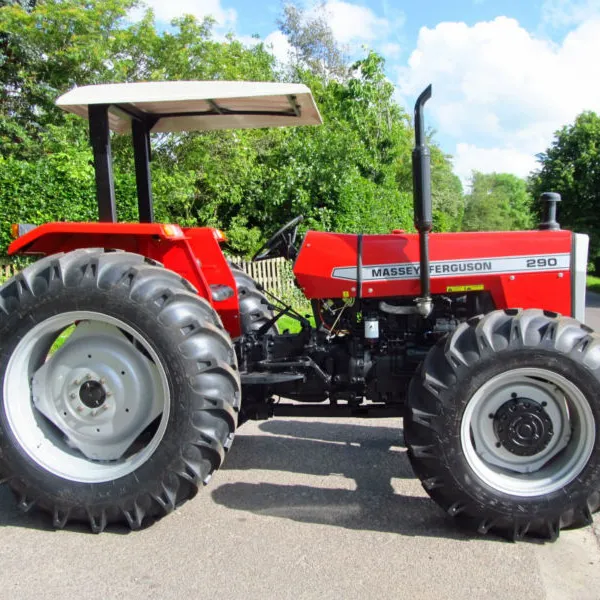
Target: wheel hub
<point>523,427</point>
<point>99,389</point>
<point>92,394</point>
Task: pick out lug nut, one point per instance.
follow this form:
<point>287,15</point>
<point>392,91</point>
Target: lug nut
<point>72,395</point>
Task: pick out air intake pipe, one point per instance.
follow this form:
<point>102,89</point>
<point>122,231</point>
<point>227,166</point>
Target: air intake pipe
<point>421,167</point>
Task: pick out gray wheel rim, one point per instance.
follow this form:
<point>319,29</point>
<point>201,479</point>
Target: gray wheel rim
<point>73,434</point>
<point>556,465</point>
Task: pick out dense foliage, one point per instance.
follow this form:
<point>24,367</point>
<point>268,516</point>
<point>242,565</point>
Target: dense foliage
<point>571,166</point>
<point>497,201</point>
<point>351,174</point>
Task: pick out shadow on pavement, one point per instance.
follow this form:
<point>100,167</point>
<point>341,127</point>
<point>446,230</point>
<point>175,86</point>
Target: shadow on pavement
<point>370,455</point>
<point>592,299</point>
<point>10,515</point>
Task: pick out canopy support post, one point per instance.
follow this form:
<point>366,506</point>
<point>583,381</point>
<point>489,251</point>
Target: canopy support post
<point>143,180</point>
<point>100,139</point>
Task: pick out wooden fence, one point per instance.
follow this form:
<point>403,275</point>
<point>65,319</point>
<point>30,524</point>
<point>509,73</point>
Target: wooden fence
<point>273,274</point>
<point>7,269</point>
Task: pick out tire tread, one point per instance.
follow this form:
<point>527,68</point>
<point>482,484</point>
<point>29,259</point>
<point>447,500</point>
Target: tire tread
<point>442,372</point>
<point>214,416</point>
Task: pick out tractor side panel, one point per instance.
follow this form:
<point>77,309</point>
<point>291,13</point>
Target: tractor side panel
<point>526,269</point>
<point>194,254</point>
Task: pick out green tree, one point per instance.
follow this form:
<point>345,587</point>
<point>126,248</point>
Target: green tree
<point>313,45</point>
<point>497,202</point>
<point>351,174</point>
<point>446,192</point>
<point>57,44</point>
<point>571,166</point>
<point>46,48</point>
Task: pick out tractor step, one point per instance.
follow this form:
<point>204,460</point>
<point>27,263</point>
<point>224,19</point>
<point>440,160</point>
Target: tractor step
<point>258,378</point>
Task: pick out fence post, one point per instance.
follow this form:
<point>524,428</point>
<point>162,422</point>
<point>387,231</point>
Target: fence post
<point>7,269</point>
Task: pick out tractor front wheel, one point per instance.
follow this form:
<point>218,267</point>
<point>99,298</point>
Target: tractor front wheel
<point>503,423</point>
<point>119,388</point>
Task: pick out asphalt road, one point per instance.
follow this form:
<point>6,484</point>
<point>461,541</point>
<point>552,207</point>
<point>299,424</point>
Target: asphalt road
<point>309,508</point>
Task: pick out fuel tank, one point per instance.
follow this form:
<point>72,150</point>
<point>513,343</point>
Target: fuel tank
<point>520,269</point>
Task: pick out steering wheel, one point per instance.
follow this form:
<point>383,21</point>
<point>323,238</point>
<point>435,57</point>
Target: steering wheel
<point>283,240</point>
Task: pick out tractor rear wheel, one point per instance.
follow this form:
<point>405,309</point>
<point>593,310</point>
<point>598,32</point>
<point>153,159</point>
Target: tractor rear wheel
<point>503,423</point>
<point>119,388</point>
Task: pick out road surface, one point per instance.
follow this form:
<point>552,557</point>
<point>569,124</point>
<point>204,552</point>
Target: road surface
<point>315,509</point>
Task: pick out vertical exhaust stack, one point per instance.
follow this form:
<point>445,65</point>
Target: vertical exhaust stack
<point>421,167</point>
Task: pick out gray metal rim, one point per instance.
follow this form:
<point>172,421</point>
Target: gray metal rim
<point>46,411</point>
<point>556,465</point>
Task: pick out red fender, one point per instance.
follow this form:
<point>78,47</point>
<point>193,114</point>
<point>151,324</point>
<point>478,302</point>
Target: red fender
<point>193,253</point>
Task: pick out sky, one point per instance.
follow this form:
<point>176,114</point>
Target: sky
<point>506,74</point>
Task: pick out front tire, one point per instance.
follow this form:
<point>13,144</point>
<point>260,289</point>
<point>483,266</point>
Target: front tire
<point>134,411</point>
<point>503,423</point>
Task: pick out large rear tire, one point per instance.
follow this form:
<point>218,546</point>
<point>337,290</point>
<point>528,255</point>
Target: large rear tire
<point>503,423</point>
<point>134,411</point>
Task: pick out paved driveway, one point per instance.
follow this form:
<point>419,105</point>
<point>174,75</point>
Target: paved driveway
<point>302,509</point>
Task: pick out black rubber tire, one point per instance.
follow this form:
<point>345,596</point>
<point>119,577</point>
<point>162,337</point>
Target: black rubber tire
<point>197,356</point>
<point>255,309</point>
<point>452,372</point>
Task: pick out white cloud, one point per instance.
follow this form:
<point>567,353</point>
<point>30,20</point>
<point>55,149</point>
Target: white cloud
<point>469,158</point>
<point>391,50</point>
<point>564,13</point>
<point>277,43</point>
<point>348,23</point>
<point>166,11</point>
<point>351,22</point>
<point>247,40</point>
<point>501,88</point>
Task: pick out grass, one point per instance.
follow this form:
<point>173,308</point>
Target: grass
<point>291,324</point>
<point>593,283</point>
<point>61,339</point>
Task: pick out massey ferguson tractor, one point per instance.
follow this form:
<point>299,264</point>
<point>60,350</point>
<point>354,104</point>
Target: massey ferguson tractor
<point>475,339</point>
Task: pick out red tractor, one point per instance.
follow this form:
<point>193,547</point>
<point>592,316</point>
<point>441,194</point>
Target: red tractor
<point>167,346</point>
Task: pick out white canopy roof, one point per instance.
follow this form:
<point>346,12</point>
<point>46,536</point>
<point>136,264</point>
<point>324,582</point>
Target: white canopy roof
<point>197,105</point>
